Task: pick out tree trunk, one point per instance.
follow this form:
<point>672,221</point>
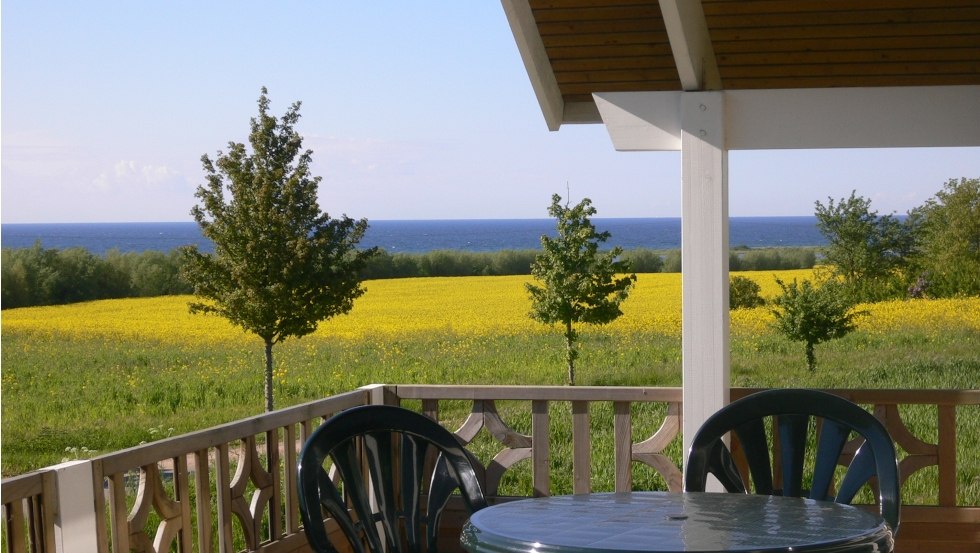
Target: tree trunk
<point>811,358</point>
<point>570,352</point>
<point>268,375</point>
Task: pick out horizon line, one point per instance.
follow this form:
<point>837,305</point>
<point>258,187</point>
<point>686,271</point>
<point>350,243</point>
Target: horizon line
<point>427,219</point>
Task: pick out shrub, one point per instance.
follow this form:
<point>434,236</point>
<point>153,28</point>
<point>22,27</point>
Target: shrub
<point>643,260</point>
<point>672,262</point>
<point>743,293</point>
<point>512,262</point>
<point>772,259</point>
<point>39,276</point>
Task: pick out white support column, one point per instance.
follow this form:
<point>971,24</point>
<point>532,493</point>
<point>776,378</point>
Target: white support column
<point>704,257</point>
<point>75,525</point>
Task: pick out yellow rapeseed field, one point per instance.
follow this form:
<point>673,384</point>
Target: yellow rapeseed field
<point>461,305</point>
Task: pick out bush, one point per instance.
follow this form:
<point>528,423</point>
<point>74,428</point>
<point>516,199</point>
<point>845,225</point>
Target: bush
<point>672,262</point>
<point>512,262</point>
<point>743,293</point>
<point>772,259</point>
<point>741,258</point>
<point>449,263</point>
<point>150,273</point>
<point>643,260</point>
<point>39,276</point>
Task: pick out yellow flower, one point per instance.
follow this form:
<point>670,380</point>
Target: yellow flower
<point>462,306</point>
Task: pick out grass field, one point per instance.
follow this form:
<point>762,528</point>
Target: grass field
<point>110,374</point>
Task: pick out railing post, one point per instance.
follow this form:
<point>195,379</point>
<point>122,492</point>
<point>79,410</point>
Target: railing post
<point>379,394</point>
<point>622,446</point>
<point>540,448</point>
<point>581,448</point>
<point>75,526</point>
<point>946,449</point>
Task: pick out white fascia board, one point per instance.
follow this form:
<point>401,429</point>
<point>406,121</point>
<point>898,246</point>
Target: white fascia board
<point>875,117</point>
<point>543,81</point>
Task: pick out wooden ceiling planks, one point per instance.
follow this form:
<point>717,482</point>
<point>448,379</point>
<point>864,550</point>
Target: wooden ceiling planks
<point>792,44</point>
<point>609,46</point>
<point>622,45</point>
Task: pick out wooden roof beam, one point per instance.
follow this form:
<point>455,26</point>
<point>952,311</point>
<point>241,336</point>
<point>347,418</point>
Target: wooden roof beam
<point>694,56</point>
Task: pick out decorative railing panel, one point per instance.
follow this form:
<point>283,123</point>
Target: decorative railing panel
<point>914,452</point>
<point>515,446</point>
<point>161,496</point>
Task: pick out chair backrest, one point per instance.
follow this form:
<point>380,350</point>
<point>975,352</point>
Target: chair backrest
<point>792,410</point>
<point>396,447</point>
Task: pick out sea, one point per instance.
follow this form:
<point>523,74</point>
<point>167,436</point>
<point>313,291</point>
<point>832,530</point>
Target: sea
<point>420,236</point>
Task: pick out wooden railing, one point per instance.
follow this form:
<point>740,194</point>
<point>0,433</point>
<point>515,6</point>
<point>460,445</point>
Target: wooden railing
<point>536,446</point>
<point>231,487</point>
<point>29,512</point>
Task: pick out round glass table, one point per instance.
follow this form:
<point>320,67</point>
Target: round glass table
<point>673,522</point>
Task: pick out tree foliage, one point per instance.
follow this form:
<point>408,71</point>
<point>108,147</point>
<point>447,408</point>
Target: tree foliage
<point>948,227</point>
<point>868,251</point>
<point>280,265</point>
<point>41,276</point>
<point>580,284</point>
<point>813,314</point>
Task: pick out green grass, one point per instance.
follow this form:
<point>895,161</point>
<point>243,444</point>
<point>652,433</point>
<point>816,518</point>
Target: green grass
<point>61,392</point>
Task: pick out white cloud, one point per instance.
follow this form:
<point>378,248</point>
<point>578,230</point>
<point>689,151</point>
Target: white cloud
<point>129,174</point>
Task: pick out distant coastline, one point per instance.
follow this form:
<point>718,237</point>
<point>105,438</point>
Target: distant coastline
<point>419,236</point>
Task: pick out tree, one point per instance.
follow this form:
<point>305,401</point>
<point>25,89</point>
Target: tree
<point>948,227</point>
<point>280,265</point>
<point>813,314</point>
<point>580,284</point>
<point>866,250</point>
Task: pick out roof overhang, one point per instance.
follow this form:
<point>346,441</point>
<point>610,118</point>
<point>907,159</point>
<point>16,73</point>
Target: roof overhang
<point>579,54</point>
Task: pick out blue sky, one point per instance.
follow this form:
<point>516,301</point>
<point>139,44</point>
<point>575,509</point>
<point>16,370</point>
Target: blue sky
<point>414,110</point>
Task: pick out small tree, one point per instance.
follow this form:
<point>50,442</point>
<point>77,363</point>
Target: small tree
<point>865,249</point>
<point>279,265</point>
<point>813,314</point>
<point>743,293</point>
<point>580,284</point>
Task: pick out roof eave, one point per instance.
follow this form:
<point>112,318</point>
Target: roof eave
<point>536,62</point>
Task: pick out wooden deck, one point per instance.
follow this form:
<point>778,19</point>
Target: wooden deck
<point>231,487</point>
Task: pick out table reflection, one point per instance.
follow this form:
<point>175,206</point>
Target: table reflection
<point>665,522</point>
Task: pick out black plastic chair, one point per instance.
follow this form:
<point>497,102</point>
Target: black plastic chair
<point>792,409</point>
<point>397,446</point>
